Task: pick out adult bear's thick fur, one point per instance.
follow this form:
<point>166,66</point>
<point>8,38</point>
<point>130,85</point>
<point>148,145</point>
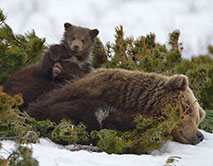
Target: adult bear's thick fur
<point>111,99</point>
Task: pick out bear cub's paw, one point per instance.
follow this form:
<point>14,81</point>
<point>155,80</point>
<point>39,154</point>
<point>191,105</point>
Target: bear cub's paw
<point>55,52</point>
<point>57,68</point>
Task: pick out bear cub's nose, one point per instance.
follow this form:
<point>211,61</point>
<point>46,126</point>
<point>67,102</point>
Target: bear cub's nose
<point>76,47</point>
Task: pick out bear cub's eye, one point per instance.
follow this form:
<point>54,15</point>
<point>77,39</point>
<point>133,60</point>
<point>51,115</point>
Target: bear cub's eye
<point>83,41</point>
<point>73,38</point>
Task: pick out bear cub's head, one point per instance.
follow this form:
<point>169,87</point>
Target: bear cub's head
<point>79,40</point>
<point>187,130</point>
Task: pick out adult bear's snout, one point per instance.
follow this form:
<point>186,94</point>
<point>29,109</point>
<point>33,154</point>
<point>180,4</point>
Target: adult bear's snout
<point>199,137</point>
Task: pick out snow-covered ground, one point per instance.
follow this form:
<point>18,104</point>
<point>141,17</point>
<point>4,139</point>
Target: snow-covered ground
<point>50,154</point>
<point>194,19</point>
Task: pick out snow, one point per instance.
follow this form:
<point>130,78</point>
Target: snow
<point>51,154</point>
<point>139,17</point>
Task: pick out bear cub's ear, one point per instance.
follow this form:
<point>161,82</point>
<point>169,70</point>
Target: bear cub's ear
<point>67,25</point>
<point>93,33</point>
<point>177,82</point>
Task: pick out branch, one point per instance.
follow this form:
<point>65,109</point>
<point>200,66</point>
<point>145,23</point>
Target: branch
<point>89,148</point>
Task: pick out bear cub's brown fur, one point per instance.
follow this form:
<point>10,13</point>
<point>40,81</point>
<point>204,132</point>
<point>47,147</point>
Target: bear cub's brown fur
<point>111,99</point>
<point>69,60</point>
<point>73,52</point>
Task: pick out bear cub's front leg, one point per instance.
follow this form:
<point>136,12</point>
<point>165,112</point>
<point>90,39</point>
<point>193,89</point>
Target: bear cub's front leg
<point>57,69</point>
<point>55,52</point>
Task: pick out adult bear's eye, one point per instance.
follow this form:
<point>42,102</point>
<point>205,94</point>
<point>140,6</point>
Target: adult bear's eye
<point>83,41</point>
<point>188,111</point>
<point>73,38</point>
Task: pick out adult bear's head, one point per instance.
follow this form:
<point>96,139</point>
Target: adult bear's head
<point>181,95</point>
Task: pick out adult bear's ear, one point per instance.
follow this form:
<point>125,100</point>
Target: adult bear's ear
<point>177,82</point>
<point>202,114</point>
<point>93,33</point>
<point>67,25</point>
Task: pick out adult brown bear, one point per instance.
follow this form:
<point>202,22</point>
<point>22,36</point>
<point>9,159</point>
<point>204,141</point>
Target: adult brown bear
<point>111,99</point>
<point>62,62</point>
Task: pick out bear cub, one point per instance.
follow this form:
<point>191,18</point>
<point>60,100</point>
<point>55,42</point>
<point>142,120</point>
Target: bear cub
<point>73,52</point>
<point>67,61</point>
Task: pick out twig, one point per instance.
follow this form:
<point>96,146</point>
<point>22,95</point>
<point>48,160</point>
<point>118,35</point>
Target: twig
<point>89,148</point>
<point>190,106</point>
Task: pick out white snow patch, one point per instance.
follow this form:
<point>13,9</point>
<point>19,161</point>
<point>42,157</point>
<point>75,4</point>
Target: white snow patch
<point>51,154</point>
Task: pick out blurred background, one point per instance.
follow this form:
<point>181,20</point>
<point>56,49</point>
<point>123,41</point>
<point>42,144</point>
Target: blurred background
<point>194,19</point>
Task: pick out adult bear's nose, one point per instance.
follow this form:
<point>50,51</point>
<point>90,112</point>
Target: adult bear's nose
<point>199,137</point>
